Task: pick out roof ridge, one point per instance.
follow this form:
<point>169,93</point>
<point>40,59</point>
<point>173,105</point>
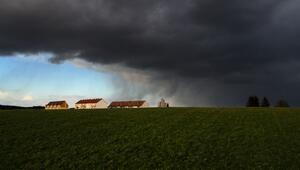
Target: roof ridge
<point>90,100</point>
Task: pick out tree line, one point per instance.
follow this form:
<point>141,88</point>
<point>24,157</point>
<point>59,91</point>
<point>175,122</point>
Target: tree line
<point>253,101</point>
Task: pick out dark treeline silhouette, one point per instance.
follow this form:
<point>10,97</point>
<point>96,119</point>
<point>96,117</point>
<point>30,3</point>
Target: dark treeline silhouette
<point>9,107</point>
<point>253,101</point>
<point>265,102</point>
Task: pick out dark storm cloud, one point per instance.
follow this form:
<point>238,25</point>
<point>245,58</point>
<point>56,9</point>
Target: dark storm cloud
<point>231,48</point>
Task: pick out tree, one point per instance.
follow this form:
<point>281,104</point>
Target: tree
<point>265,102</point>
<point>282,103</point>
<point>253,101</point>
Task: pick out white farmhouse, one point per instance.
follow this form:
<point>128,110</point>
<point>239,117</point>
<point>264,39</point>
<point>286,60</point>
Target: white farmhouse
<point>57,105</point>
<point>163,103</point>
<point>91,104</point>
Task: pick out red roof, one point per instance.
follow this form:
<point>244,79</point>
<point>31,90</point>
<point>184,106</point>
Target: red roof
<point>57,103</point>
<point>85,101</point>
<point>137,103</point>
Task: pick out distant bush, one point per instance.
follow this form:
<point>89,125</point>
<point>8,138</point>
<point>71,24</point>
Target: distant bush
<point>37,107</point>
<point>265,102</point>
<point>253,101</point>
<point>282,103</point>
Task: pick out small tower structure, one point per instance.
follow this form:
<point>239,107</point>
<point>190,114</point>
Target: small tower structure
<point>163,103</point>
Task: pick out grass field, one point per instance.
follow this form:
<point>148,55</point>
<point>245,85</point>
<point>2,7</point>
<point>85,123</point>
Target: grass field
<point>174,138</point>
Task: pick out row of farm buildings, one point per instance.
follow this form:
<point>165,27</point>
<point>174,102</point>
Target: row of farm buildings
<point>100,103</point>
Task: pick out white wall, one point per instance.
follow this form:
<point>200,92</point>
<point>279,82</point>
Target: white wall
<point>100,105</point>
<point>145,104</point>
<point>54,107</point>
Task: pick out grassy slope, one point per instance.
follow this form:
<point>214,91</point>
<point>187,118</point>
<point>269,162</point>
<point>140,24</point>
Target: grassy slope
<point>150,138</point>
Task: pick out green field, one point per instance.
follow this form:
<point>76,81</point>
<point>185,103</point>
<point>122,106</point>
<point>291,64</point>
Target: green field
<point>173,138</point>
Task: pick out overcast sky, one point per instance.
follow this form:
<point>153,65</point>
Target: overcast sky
<point>193,52</point>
